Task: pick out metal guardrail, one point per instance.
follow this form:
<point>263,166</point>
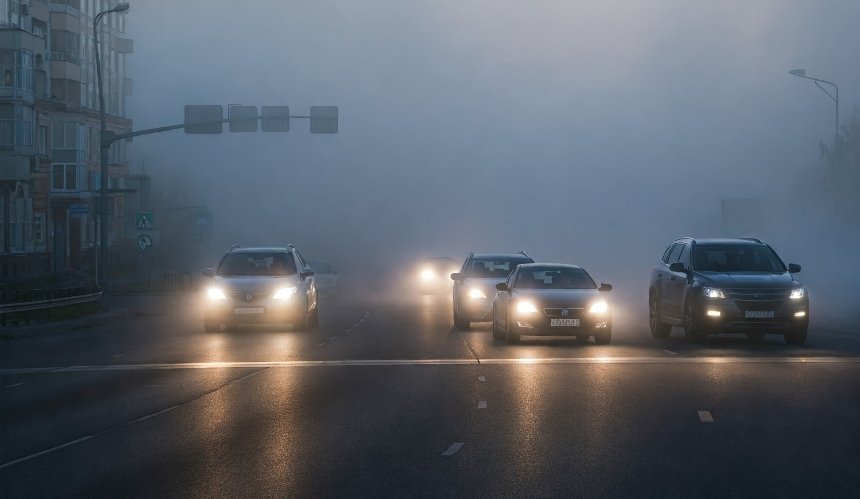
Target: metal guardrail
<point>8,308</point>
<point>28,304</point>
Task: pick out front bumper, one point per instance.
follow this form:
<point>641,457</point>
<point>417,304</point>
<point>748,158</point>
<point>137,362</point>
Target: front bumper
<point>258,313</point>
<point>542,326</point>
<point>736,316</point>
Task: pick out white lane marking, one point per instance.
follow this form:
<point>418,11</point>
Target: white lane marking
<point>356,324</point>
<point>321,344</point>
<point>482,404</point>
<point>436,362</point>
<point>118,355</point>
<point>670,352</point>
<point>347,330</point>
<point>482,378</point>
<point>706,417</point>
<point>455,447</point>
<point>16,384</point>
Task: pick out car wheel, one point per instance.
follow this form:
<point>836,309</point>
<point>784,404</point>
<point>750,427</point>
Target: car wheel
<point>692,328</point>
<point>211,327</point>
<point>510,333</point>
<point>755,337</point>
<point>659,329</point>
<point>604,337</point>
<point>460,323</point>
<point>796,336</point>
<point>497,334</point>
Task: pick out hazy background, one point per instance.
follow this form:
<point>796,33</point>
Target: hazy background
<point>589,132</point>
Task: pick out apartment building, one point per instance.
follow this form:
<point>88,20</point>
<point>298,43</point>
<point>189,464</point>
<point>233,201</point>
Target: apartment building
<point>49,134</point>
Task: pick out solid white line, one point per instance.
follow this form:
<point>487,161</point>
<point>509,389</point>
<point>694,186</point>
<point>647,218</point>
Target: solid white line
<point>482,379</point>
<point>670,352</point>
<point>437,362</point>
<point>706,417</point>
<point>16,384</point>
<point>455,447</point>
<point>482,404</point>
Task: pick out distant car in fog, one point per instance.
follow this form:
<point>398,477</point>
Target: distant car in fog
<point>433,274</point>
<point>711,286</point>
<point>475,285</point>
<point>325,275</point>
<point>260,285</point>
<point>549,299</point>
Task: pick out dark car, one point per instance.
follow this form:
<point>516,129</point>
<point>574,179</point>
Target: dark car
<point>542,299</point>
<point>711,286</point>
<point>261,285</point>
<point>475,285</point>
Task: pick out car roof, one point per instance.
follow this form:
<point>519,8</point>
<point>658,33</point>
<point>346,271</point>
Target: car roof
<point>527,266</point>
<point>490,256</point>
<point>721,240</point>
<point>261,249</point>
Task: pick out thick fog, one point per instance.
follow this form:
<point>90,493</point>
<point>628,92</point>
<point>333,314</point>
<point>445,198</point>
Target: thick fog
<point>588,132</point>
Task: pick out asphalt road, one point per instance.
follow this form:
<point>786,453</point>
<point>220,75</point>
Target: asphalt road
<point>386,399</point>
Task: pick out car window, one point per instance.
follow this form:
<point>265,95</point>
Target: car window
<point>665,257</point>
<point>554,278</point>
<point>673,255</point>
<point>736,258</point>
<point>257,264</point>
<point>497,267</point>
<point>685,255</point>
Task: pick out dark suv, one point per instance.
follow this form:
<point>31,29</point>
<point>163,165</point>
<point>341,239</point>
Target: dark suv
<point>475,285</point>
<point>711,286</point>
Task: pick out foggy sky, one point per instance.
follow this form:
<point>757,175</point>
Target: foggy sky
<point>585,132</point>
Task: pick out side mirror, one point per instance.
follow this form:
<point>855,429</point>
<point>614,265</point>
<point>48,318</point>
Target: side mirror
<point>456,276</point>
<point>793,268</point>
<point>306,274</point>
<point>503,286</point>
<point>208,272</point>
<point>677,267</point>
<point>605,287</point>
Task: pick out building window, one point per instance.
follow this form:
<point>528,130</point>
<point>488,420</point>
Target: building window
<point>42,140</point>
<point>20,224</point>
<point>66,46</point>
<point>64,177</point>
<point>65,135</point>
<point>16,125</point>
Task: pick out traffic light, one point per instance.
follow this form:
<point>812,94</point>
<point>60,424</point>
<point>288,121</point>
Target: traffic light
<point>210,118</point>
<point>323,119</point>
<point>275,118</point>
<point>242,118</point>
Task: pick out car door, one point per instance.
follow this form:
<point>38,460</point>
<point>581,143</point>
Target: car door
<point>677,284</point>
<point>663,278</point>
<point>502,301</point>
<point>308,284</point>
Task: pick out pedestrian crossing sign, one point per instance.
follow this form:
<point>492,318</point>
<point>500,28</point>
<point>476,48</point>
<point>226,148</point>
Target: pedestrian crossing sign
<point>143,220</point>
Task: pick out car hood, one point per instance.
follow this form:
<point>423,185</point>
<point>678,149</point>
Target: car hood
<point>551,298</point>
<point>746,279</point>
<point>255,284</point>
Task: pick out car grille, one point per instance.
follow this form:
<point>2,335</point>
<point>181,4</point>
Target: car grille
<point>758,299</point>
<point>244,297</point>
<point>573,313</point>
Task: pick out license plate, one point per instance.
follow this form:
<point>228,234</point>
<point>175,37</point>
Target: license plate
<point>563,322</point>
<point>759,314</point>
<point>248,310</point>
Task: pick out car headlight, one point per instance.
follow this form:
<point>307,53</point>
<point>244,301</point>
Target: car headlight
<point>476,294</point>
<point>427,275</point>
<point>284,293</point>
<point>216,294</point>
<point>526,307</point>
<point>599,307</point>
<point>713,293</point>
<point>797,293</point>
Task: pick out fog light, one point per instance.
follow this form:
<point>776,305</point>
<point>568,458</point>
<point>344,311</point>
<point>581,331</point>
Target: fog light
<point>524,324</point>
<point>713,313</point>
<point>601,324</point>
<point>800,314</point>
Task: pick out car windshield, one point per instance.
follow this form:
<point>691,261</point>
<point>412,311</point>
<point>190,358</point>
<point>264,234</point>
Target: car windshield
<point>257,264</point>
<point>494,267</point>
<point>554,278</point>
<point>736,258</point>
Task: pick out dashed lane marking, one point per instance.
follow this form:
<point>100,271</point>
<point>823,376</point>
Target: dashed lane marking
<point>482,378</point>
<point>347,330</point>
<point>16,384</point>
<point>436,362</point>
<point>118,355</point>
<point>670,352</point>
<point>356,324</point>
<point>453,449</point>
<point>321,344</point>
<point>482,404</point>
<point>706,417</point>
<point>333,338</point>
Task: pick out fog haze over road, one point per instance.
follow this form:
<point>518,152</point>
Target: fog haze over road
<point>583,132</point>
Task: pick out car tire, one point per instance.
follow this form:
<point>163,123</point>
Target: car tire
<point>659,329</point>
<point>797,336</point>
<point>755,337</point>
<point>692,327</point>
<point>211,327</point>
<point>511,335</point>
<point>604,338</point>
<point>460,323</point>
<point>497,334</point>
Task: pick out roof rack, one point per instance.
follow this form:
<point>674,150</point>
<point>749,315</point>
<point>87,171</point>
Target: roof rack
<point>523,252</point>
<point>753,239</point>
<point>235,246</point>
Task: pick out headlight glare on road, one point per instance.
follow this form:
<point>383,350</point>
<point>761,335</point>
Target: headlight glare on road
<point>797,293</point>
<point>526,308</point>
<point>713,293</point>
<point>216,294</point>
<point>476,294</point>
<point>599,307</point>
<point>284,293</point>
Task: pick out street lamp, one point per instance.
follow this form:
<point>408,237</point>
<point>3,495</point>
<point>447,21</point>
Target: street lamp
<point>104,146</point>
<point>801,73</point>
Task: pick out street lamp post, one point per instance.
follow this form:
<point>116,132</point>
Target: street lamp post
<point>104,146</point>
<point>801,73</point>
